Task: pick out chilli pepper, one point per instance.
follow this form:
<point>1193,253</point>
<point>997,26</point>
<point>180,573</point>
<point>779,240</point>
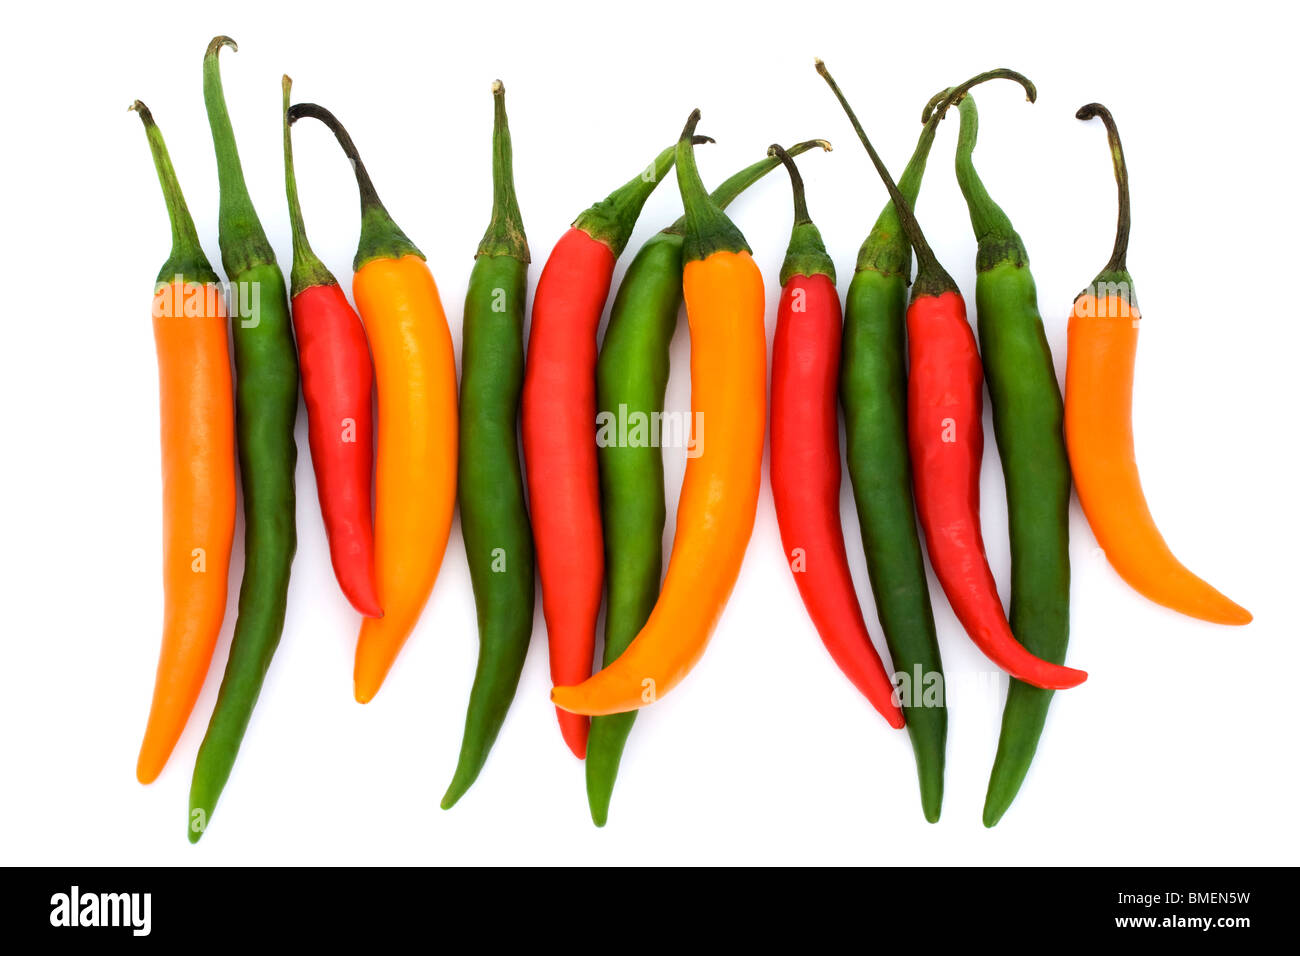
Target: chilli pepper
<point>873,390</point>
<point>493,515</point>
<point>559,407</point>
<point>266,404</point>
<point>1028,425</point>
<point>806,454</point>
<point>723,290</point>
<point>632,376</point>
<point>946,441</point>
<point>1103,332</point>
<point>415,376</point>
<point>197,411</point>
<point>336,383</point>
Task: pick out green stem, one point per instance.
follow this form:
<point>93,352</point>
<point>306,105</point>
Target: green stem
<point>612,220</point>
<point>187,260</point>
<point>730,188</point>
<point>1118,263</point>
<point>997,239</point>
<point>708,230</point>
<point>797,191</point>
<point>882,251</point>
<point>505,234</point>
<point>806,253</point>
<point>886,250</point>
<point>308,270</point>
<point>241,237</point>
<point>931,278</point>
<point>380,236</point>
<point>946,99</point>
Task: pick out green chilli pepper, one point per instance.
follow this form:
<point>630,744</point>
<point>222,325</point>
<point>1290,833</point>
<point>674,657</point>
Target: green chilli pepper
<point>1028,423</point>
<point>266,404</point>
<point>631,378</point>
<point>873,393</point>
<point>493,515</point>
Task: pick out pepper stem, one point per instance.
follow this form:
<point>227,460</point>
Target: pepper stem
<point>1119,256</point>
<point>806,254</point>
<point>241,237</point>
<point>945,99</point>
<point>612,220</point>
<point>187,259</point>
<point>931,278</point>
<point>796,184</point>
<point>505,234</point>
<point>882,251</point>
<point>308,270</point>
<point>733,186</point>
<point>380,236</point>
<point>708,230</point>
<point>997,238</point>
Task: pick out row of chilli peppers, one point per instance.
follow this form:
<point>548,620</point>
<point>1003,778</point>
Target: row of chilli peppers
<point>909,378</point>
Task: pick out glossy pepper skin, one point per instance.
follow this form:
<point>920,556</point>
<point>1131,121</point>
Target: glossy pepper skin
<point>415,376</point>
<point>806,456</point>
<point>1028,419</point>
<point>873,394</point>
<point>945,438</point>
<point>197,415</point>
<point>493,514</point>
<point>632,374</point>
<point>945,409</point>
<point>723,290</point>
<point>336,384</point>
<point>559,408</point>
<point>266,405</point>
<point>1103,332</point>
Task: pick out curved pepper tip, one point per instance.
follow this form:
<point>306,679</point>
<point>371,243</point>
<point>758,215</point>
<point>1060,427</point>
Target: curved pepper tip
<point>894,715</point>
<point>365,605</point>
<point>574,728</point>
<point>1066,677</point>
<point>194,832</point>
<point>147,771</point>
<point>1237,615</point>
<point>372,664</point>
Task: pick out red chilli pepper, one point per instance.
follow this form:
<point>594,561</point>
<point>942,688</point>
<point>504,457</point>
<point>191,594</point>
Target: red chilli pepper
<point>558,425</point>
<point>806,455</point>
<point>334,359</point>
<point>946,436</point>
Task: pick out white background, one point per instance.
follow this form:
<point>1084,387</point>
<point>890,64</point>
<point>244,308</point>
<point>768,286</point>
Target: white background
<point>1180,748</point>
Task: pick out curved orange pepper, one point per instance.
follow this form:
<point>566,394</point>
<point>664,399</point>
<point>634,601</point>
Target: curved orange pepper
<point>415,470</point>
<point>415,381</point>
<point>1103,336</point>
<point>196,406</point>
<point>715,516</point>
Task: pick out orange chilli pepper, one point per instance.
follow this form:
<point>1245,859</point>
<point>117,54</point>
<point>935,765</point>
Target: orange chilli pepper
<point>1103,334</point>
<point>197,408</point>
<point>415,376</point>
<point>723,290</point>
